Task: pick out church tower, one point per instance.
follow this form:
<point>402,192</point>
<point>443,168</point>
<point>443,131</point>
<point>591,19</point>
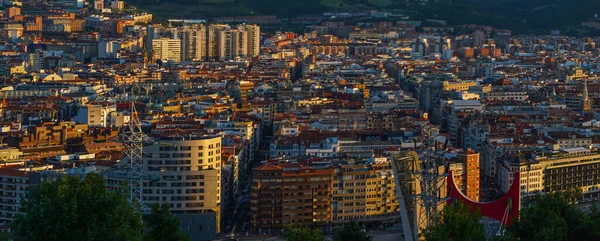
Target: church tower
<point>586,103</point>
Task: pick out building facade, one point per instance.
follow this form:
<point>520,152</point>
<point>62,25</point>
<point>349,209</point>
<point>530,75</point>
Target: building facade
<point>167,49</point>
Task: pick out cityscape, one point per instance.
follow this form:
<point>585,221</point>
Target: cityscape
<point>347,120</point>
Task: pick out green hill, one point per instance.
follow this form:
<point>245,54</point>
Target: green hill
<point>518,15</point>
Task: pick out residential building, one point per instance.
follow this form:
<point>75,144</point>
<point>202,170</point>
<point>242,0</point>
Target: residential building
<point>167,49</point>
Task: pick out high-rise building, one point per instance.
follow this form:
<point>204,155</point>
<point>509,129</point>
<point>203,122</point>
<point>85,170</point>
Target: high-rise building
<point>13,11</point>
<point>253,39</point>
<point>98,4</point>
<point>190,176</point>
<point>117,5</point>
<point>233,43</point>
<point>471,174</point>
<point>167,49</point>
<point>193,42</point>
<point>213,39</point>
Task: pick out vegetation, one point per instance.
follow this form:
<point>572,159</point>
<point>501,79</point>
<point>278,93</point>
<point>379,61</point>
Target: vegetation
<point>520,16</point>
<point>456,223</point>
<point>351,232</point>
<point>301,233</point>
<point>162,226</point>
<point>547,218</point>
<point>551,217</point>
<point>75,209</point>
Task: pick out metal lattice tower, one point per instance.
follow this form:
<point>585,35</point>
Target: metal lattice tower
<point>134,140</point>
<point>430,173</point>
<point>131,168</point>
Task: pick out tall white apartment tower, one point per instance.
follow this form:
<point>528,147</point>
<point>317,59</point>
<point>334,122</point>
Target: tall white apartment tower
<point>233,43</point>
<point>193,42</point>
<point>253,45</point>
<point>213,39</point>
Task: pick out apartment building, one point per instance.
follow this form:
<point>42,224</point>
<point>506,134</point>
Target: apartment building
<point>574,168</point>
<point>14,187</point>
<point>193,42</point>
<point>288,193</point>
<point>472,174</point>
<point>95,115</point>
<point>167,49</point>
<point>213,39</point>
<point>253,43</point>
<point>322,193</point>
<point>189,168</point>
<point>364,191</point>
<point>233,43</point>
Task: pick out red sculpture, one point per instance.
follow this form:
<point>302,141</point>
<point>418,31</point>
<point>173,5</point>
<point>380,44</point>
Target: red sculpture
<point>505,209</point>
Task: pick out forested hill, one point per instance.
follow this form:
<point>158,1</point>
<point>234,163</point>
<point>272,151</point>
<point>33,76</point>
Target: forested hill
<point>519,15</point>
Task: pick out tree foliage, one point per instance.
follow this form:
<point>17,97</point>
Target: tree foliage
<point>551,217</point>
<point>457,223</point>
<point>74,209</point>
<point>162,226</point>
<point>302,233</point>
<point>351,232</point>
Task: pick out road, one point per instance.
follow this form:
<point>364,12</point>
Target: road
<point>492,226</point>
<point>377,236</point>
<point>586,206</point>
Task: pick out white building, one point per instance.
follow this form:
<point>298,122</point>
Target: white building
<point>167,49</point>
<point>94,115</point>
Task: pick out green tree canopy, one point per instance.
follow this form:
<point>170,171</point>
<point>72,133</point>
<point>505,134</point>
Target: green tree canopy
<point>551,217</point>
<point>74,209</point>
<point>456,223</point>
<point>301,233</point>
<point>163,226</point>
<point>351,232</point>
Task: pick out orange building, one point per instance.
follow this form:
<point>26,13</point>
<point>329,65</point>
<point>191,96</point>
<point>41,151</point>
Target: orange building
<point>471,173</point>
<point>13,11</point>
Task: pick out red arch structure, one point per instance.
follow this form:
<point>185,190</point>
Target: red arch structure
<point>495,209</point>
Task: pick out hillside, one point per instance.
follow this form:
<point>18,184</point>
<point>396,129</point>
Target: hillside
<point>518,15</point>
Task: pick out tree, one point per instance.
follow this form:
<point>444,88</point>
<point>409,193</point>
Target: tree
<point>456,223</point>
<point>551,217</point>
<point>163,226</point>
<point>74,209</point>
<point>301,233</point>
<point>351,232</point>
